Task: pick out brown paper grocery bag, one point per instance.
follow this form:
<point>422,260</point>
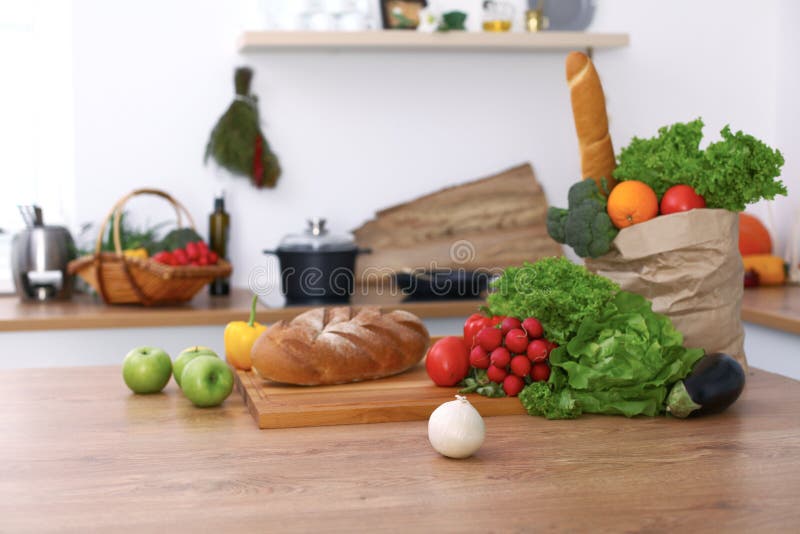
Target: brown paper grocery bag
<point>688,265</point>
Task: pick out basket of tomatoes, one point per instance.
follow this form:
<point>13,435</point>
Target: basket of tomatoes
<point>175,273</point>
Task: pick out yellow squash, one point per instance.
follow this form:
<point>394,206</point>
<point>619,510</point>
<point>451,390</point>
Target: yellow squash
<point>770,269</point>
<point>239,338</point>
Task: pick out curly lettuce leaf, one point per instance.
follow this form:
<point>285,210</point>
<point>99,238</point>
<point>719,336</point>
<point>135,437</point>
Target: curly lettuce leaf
<point>729,174</point>
<point>623,361</point>
<point>559,293</point>
<point>740,170</point>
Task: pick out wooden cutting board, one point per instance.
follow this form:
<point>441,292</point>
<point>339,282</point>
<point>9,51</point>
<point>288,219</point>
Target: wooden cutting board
<point>408,396</point>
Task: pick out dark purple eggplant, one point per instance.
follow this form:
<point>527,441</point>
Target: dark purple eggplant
<point>716,381</point>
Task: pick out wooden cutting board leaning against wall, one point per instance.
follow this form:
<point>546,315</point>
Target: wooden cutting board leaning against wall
<point>490,223</point>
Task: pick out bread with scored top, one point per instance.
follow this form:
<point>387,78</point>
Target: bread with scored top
<point>339,345</point>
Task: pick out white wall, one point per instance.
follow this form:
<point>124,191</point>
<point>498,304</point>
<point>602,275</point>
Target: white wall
<point>357,131</point>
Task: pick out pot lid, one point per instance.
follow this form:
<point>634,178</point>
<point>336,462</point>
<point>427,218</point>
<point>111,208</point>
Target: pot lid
<point>316,238</point>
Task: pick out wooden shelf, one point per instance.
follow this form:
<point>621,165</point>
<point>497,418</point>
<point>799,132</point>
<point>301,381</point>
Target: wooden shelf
<point>262,41</point>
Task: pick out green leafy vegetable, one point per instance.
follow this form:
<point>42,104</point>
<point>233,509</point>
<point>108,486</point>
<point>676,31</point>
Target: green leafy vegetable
<point>729,174</point>
<point>622,361</point>
<point>177,238</point>
<point>538,399</point>
<point>130,236</point>
<point>585,226</point>
<point>556,291</point>
<point>740,170</point>
<point>672,157</point>
<point>478,382</point>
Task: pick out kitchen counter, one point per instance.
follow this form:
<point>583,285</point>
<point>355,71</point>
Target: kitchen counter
<point>80,453</point>
<point>774,307</point>
<point>87,312</point>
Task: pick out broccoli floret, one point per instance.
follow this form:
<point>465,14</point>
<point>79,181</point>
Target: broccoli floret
<point>583,190</point>
<point>585,226</point>
<point>589,230</point>
<point>556,219</point>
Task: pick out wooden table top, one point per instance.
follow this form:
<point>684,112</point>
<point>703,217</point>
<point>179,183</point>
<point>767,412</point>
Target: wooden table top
<point>80,453</point>
<point>83,311</point>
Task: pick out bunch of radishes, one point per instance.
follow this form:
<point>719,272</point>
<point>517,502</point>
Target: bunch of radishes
<point>511,352</point>
<point>194,253</point>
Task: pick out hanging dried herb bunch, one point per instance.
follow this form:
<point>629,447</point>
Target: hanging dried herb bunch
<point>237,143</point>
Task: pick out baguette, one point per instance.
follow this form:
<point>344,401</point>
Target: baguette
<point>339,345</point>
<point>591,121</point>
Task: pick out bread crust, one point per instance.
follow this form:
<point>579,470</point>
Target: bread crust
<point>591,121</point>
<point>339,345</point>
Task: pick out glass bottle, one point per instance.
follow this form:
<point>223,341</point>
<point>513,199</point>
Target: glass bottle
<point>218,231</point>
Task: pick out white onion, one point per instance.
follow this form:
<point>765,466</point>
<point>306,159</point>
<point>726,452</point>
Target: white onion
<point>456,429</point>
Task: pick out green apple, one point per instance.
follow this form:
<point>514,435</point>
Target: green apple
<point>186,356</point>
<point>207,381</point>
<point>146,370</point>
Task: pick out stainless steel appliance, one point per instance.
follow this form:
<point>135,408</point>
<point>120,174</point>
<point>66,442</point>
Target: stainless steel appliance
<point>39,258</point>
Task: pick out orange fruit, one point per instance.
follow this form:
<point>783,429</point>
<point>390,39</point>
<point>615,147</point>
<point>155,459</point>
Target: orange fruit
<point>753,236</point>
<point>631,202</point>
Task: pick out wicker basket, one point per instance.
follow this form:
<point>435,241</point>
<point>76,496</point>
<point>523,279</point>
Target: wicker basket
<point>125,280</point>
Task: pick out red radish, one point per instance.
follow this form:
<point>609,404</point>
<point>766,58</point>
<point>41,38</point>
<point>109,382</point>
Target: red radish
<point>517,340</point>
<point>538,350</point>
<point>551,346</point>
<point>500,357</point>
<point>202,246</point>
<point>192,251</point>
<point>180,256</point>
<point>533,327</point>
<point>479,358</point>
<point>512,385</point>
<point>202,261</point>
<point>520,365</point>
<point>508,324</point>
<point>213,257</point>
<point>489,338</point>
<point>540,372</point>
<point>496,374</point>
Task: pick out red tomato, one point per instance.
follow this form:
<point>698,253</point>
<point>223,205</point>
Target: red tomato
<point>681,198</point>
<point>447,362</point>
<point>477,322</point>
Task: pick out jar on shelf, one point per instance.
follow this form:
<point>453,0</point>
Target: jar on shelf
<point>497,15</point>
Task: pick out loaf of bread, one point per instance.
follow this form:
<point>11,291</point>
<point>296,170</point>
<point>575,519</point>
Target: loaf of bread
<point>338,345</point>
<point>591,121</point>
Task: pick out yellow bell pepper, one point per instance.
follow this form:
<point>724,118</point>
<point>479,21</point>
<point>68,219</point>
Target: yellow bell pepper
<point>770,269</point>
<point>239,338</point>
<point>140,253</point>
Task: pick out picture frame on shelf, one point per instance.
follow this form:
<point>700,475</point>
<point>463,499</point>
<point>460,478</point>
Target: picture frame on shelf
<point>401,14</point>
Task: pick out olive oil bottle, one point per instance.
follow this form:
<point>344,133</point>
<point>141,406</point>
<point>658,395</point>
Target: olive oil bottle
<point>218,230</point>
